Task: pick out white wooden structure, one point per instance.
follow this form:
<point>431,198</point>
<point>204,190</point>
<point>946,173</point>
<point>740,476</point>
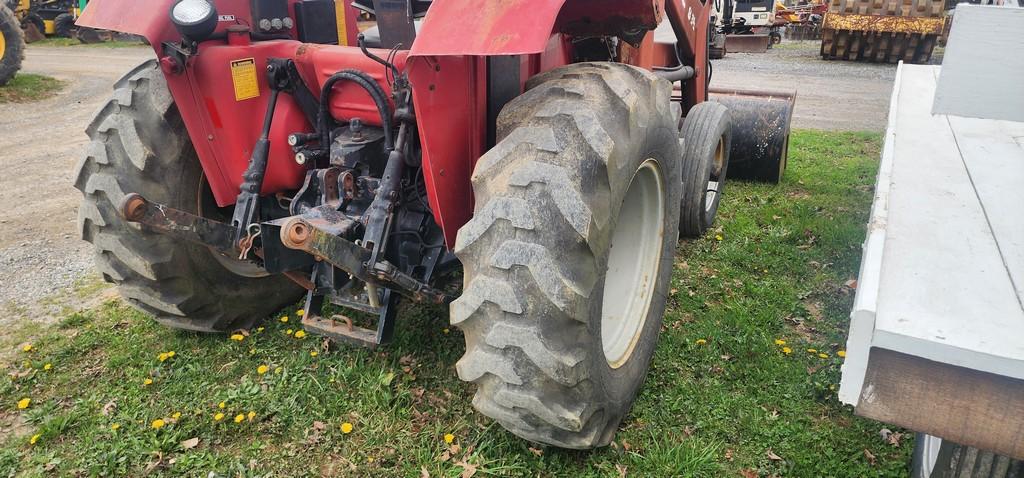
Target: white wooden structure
<point>936,338</point>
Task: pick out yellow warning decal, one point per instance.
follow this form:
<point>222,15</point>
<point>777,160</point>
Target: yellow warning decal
<point>243,75</point>
<point>339,16</point>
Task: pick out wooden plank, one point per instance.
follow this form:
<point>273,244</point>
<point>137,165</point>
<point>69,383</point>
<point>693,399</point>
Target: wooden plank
<point>993,152</point>
<point>964,406</point>
<point>865,304</point>
<point>945,293</point>
<point>982,64</point>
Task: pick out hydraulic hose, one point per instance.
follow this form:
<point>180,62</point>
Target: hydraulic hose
<point>681,73</point>
<point>376,93</point>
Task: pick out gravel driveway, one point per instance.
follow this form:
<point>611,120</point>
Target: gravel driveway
<point>40,144</point>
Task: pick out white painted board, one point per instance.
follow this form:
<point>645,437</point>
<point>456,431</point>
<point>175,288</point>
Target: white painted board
<point>984,64</point>
<point>943,263</point>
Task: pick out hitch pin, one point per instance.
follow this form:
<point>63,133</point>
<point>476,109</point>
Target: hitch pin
<point>253,231</point>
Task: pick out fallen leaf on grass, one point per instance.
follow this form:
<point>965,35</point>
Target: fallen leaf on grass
<point>772,456</point>
<point>869,456</point>
<point>190,443</point>
<point>622,470</point>
<point>424,473</point>
<point>852,283</point>
<point>536,451</point>
<point>748,473</point>
<point>109,408</point>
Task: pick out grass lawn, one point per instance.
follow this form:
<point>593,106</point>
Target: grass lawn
<point>26,87</point>
<point>723,397</point>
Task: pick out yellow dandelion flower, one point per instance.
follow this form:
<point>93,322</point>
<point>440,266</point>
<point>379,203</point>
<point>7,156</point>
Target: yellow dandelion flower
<point>237,337</point>
<point>780,342</point>
<point>841,353</point>
<point>300,312</point>
<point>288,332</point>
<point>812,351</point>
<point>284,319</point>
<point>701,342</point>
<point>252,415</point>
<point>34,439</point>
<point>787,350</point>
<point>823,355</point>
<point>24,403</point>
<point>147,381</point>
<point>445,330</point>
<point>239,418</point>
<point>48,366</point>
<point>262,369</point>
<point>300,334</point>
<point>170,354</point>
<point>449,438</point>
<point>218,417</point>
<point>369,459</point>
<point>114,426</point>
<point>346,428</point>
<point>176,415</point>
<point>26,348</point>
<point>157,424</point>
<point>313,353</point>
<point>718,237</point>
<point>221,405</point>
<point>259,329</point>
<point>162,357</point>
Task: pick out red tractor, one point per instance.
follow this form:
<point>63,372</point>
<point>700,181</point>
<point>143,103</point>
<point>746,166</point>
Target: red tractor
<point>272,150</point>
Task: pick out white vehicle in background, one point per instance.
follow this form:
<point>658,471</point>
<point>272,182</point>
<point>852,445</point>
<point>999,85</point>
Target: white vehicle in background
<point>743,26</point>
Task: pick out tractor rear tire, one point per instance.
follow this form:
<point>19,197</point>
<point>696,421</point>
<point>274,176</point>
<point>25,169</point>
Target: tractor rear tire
<point>12,45</point>
<point>707,140</point>
<point>139,144</point>
<point>569,253</point>
<point>64,25</point>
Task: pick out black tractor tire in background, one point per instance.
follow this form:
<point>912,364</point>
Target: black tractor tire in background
<point>14,45</point>
<point>545,239</point>
<point>139,144</point>
<point>937,458</point>
<point>64,25</point>
<point>34,22</point>
<point>707,140</point>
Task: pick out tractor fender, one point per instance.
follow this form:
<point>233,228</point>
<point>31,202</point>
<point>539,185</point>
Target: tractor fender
<point>149,19</point>
<point>513,27</point>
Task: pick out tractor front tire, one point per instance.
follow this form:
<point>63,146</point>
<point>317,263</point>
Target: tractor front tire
<point>707,140</point>
<point>64,25</point>
<point>569,253</point>
<point>139,144</point>
<point>12,45</point>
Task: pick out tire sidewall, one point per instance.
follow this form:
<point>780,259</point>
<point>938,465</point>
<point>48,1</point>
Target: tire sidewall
<point>723,132</point>
<point>621,384</point>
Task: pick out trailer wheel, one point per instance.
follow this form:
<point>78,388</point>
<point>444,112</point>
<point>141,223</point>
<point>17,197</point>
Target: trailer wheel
<point>12,45</point>
<point>139,144</point>
<point>937,458</point>
<point>707,140</point>
<point>64,25</point>
<point>568,256</point>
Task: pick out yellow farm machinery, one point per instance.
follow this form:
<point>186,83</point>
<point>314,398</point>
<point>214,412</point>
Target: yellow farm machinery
<point>882,30</point>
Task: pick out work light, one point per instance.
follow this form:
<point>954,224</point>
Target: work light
<point>194,19</point>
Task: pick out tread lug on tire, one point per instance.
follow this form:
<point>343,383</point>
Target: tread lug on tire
<point>587,148</point>
<point>139,144</point>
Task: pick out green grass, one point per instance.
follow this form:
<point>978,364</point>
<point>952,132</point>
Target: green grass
<point>26,87</point>
<point>73,42</point>
<point>732,404</point>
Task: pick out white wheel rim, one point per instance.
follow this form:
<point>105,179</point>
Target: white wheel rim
<point>633,264</point>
